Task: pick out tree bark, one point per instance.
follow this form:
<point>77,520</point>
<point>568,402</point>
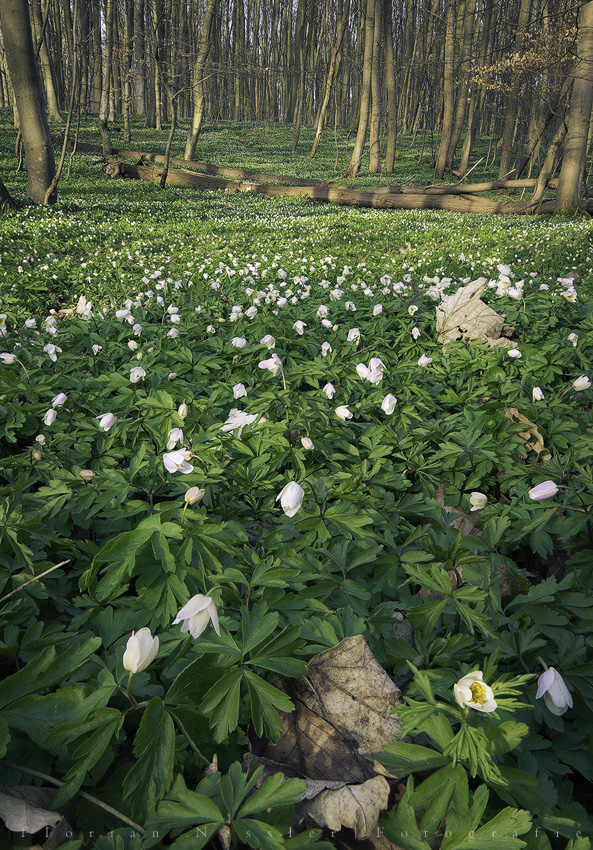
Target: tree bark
<point>510,120</point>
<point>40,29</point>
<point>448,91</point>
<point>22,66</point>
<point>391,87</point>
<point>139,60</point>
<point>579,115</point>
<point>104,105</point>
<point>198,83</point>
<point>365,94</point>
<point>375,122</point>
<point>330,76</point>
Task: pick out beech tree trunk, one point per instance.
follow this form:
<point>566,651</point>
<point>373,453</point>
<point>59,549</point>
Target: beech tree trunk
<point>198,83</point>
<point>104,105</point>
<point>365,95</point>
<point>504,170</point>
<point>330,76</point>
<point>579,115</point>
<point>448,91</point>
<point>22,66</point>
<point>391,87</point>
<point>374,144</point>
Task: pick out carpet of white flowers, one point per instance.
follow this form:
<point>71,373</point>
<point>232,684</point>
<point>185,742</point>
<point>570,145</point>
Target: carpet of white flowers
<point>234,426</point>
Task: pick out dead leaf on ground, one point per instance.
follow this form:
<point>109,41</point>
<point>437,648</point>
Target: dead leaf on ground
<point>21,811</point>
<point>355,806</point>
<point>538,446</point>
<point>348,687</point>
<point>342,717</point>
<point>464,315</point>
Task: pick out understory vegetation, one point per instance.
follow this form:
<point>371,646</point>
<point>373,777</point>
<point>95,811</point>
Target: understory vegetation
<point>238,408</point>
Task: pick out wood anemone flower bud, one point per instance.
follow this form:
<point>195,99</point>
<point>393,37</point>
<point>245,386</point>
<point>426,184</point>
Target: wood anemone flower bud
<point>182,410</point>
<point>86,474</point>
<point>193,495</point>
<point>141,650</point>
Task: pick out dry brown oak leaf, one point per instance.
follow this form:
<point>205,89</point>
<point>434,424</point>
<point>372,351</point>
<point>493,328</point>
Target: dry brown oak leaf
<point>343,715</point>
<point>465,315</point>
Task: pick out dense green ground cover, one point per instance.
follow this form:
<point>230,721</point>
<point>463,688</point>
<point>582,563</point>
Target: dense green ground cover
<point>187,338</point>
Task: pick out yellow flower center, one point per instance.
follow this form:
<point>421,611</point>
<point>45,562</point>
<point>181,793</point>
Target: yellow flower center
<point>478,692</point>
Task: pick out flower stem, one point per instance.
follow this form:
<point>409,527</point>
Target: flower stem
<point>47,778</point>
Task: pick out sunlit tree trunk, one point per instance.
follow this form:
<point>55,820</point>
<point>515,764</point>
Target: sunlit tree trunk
<point>198,83</point>
<point>504,171</point>
<point>391,87</point>
<point>462,78</point>
<point>139,60</point>
<point>40,31</point>
<point>330,76</point>
<point>22,66</point>
<point>375,119</point>
<point>365,94</point>
<point>579,115</point>
<point>104,105</point>
<point>448,91</point>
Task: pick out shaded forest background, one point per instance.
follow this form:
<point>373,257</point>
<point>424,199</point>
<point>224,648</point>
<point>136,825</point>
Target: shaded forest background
<point>518,71</point>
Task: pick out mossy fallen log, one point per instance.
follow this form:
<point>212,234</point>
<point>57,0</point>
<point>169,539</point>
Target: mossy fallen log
<point>344,195</point>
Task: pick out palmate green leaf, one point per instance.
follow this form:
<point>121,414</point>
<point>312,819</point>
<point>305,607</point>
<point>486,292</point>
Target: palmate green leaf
<point>38,715</point>
<point>108,722</point>
<point>474,619</point>
<point>223,645</point>
<point>500,833</point>
<point>400,827</point>
<point>45,671</point>
<point>256,625</point>
<point>425,617</point>
<point>221,704</point>
<point>467,813</point>
<point>258,835</point>
<point>264,699</point>
<point>407,758</point>
<point>4,737</point>
<point>505,736</point>
<point>191,684</point>
<point>180,809</point>
<point>275,791</point>
<point>154,747</point>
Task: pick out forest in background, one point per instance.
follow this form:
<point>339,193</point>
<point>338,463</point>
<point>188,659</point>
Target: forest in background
<point>520,71</point>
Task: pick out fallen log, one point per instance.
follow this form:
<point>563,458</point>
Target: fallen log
<point>206,167</point>
<point>343,195</point>
<point>176,177</point>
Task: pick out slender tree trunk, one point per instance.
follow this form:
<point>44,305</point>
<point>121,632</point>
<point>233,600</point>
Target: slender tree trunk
<point>95,21</point>
<point>139,60</point>
<point>39,23</point>
<point>391,87</point>
<point>375,122</point>
<point>541,125</point>
<point>505,171</point>
<point>104,105</point>
<point>330,76</point>
<point>463,79</point>
<point>198,83</point>
<point>550,162</point>
<point>22,66</point>
<point>365,95</point>
<point>579,115</point>
<point>448,91</point>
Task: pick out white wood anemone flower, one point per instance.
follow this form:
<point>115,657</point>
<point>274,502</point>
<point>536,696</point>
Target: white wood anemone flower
<point>195,615</point>
<point>471,692</point>
<point>556,695</point>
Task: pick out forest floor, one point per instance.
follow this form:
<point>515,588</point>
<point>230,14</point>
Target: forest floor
<point>245,402</point>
